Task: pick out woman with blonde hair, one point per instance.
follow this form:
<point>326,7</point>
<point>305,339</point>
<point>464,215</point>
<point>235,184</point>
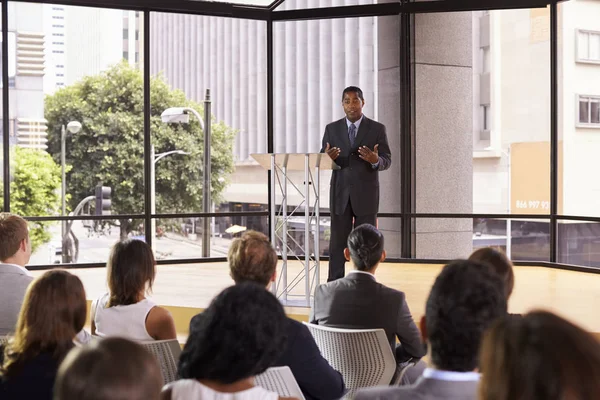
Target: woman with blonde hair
<point>125,311</point>
<point>540,356</point>
<point>53,312</point>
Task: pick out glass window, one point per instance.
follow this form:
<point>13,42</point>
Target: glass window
<point>442,238</point>
<point>579,111</point>
<point>313,62</point>
<point>588,46</point>
<point>589,110</point>
<point>99,112</point>
<point>228,57</point>
<point>579,243</point>
<point>458,168</point>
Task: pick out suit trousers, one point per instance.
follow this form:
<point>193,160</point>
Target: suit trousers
<point>341,226</point>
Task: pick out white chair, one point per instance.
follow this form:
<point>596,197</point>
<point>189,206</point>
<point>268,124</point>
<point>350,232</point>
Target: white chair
<point>362,356</point>
<point>167,353</point>
<point>281,381</point>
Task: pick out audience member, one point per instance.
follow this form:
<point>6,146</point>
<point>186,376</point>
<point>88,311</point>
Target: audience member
<point>53,311</point>
<point>253,259</point>
<point>500,263</point>
<point>125,311</point>
<point>15,250</point>
<point>539,357</point>
<point>358,301</point>
<point>241,334</point>
<point>465,299</point>
<point>109,369</point>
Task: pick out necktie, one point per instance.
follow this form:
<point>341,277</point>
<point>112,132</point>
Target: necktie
<point>352,134</point>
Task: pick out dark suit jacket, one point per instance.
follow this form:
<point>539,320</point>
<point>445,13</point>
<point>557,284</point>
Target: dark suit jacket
<point>357,301</point>
<point>316,378</point>
<point>356,180</point>
<point>34,381</point>
<point>423,389</point>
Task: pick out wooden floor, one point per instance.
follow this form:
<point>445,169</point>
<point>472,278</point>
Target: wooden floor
<point>575,295</point>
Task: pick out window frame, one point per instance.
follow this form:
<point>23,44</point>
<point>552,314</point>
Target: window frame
<point>590,98</point>
<point>578,46</point>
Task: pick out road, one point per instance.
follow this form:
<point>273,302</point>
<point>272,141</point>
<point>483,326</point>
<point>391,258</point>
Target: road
<point>97,247</point>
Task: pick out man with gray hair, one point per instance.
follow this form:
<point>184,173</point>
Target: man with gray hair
<point>252,258</point>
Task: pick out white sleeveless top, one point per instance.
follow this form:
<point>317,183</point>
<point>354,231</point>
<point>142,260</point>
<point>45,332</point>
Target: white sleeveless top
<point>191,389</point>
<point>125,321</point>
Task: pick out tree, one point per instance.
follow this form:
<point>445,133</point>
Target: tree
<point>109,148</point>
<point>34,189</point>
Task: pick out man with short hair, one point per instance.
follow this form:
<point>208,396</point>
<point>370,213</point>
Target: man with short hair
<point>359,147</point>
<point>15,251</point>
<point>464,301</point>
<point>358,301</point>
<point>252,259</point>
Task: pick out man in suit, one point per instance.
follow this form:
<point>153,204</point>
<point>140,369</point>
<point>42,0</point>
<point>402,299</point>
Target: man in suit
<point>359,146</point>
<point>464,300</point>
<point>252,259</point>
<point>358,301</point>
<point>15,251</point>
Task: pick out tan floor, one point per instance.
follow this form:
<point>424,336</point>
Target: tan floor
<point>575,295</point>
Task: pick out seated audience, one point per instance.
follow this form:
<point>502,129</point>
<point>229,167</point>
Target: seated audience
<point>500,263</point>
<point>253,259</point>
<point>53,311</point>
<point>358,301</point>
<point>125,311</point>
<point>539,357</point>
<point>109,369</point>
<point>241,334</point>
<point>464,301</point>
<point>15,251</point>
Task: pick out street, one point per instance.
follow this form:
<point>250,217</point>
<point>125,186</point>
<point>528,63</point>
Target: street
<point>97,247</point>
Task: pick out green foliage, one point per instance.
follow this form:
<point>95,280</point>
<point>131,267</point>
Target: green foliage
<point>109,150</point>
<point>34,189</point>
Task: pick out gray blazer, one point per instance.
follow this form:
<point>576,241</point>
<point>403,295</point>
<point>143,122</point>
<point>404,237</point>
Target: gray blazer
<point>14,281</point>
<point>423,389</point>
<point>356,180</point>
<point>357,301</point>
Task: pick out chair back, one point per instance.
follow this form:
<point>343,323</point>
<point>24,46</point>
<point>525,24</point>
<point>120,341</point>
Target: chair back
<point>167,353</point>
<point>281,381</point>
<point>362,356</point>
<point>3,341</point>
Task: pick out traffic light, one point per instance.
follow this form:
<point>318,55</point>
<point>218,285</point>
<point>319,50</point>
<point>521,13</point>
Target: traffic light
<point>103,200</point>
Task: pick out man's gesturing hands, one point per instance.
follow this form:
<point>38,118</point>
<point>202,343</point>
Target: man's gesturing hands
<point>370,156</point>
<point>333,152</point>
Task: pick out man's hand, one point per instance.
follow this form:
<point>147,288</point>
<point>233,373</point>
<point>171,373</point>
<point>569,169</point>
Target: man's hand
<point>370,156</point>
<point>333,152</point>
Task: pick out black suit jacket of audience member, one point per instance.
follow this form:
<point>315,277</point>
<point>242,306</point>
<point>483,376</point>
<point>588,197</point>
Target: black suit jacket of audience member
<point>358,301</point>
<point>316,378</point>
<point>35,380</point>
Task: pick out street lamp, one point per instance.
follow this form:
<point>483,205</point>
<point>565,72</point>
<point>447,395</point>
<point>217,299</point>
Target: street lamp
<point>155,158</point>
<point>181,114</point>
<point>73,127</point>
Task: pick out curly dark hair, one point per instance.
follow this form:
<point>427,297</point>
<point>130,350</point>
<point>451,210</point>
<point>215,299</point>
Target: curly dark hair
<point>365,244</point>
<point>240,335</point>
<point>540,356</point>
<point>466,298</point>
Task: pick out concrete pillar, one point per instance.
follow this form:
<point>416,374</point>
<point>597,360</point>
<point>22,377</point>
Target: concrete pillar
<point>388,99</point>
<point>444,121</point>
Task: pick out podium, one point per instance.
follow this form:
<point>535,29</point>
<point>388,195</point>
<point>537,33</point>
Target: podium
<point>306,253</point>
